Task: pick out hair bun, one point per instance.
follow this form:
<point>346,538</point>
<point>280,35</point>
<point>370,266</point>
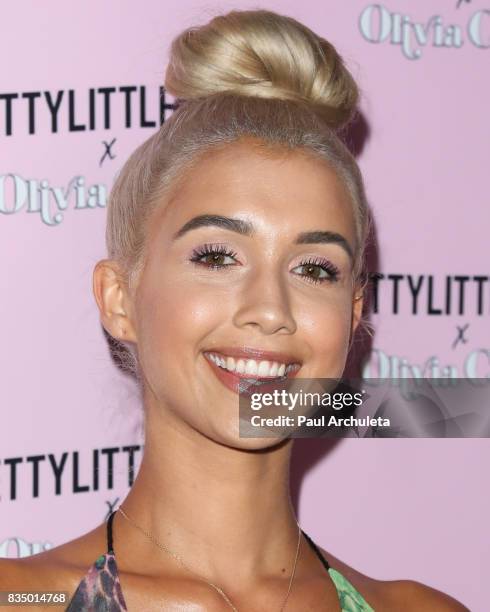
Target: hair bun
<point>261,53</point>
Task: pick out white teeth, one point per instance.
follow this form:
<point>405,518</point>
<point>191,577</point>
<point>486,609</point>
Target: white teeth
<point>263,369</point>
<point>218,360</point>
<point>252,367</point>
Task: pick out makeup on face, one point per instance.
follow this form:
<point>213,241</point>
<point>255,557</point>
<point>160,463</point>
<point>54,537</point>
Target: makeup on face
<point>221,256</point>
<point>248,283</point>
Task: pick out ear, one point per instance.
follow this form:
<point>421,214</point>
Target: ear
<point>358,301</point>
<point>114,302</point>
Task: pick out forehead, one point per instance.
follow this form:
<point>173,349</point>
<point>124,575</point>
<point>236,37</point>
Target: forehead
<point>291,190</point>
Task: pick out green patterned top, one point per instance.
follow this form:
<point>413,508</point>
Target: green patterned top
<point>350,599</point>
<point>100,589</point>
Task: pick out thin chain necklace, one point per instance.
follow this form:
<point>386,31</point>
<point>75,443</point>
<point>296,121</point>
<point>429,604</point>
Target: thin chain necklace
<point>216,587</point>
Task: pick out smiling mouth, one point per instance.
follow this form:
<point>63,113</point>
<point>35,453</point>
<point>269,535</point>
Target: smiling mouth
<point>244,376</point>
<point>253,368</point>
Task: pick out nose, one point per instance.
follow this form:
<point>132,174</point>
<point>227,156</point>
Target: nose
<point>264,304</point>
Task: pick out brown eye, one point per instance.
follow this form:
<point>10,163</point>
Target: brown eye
<point>314,271</point>
<point>214,256</point>
<point>318,271</point>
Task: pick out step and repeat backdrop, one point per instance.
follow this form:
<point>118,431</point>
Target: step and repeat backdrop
<point>80,88</point>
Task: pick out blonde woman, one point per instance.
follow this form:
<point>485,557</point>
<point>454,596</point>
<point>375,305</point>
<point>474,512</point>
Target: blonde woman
<point>235,239</point>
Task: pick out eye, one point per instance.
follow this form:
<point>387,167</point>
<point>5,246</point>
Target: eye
<point>318,270</point>
<point>213,256</point>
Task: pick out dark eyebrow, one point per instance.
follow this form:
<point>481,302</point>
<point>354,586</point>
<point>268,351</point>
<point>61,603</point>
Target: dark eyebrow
<point>246,229</point>
<point>325,237</point>
<point>234,225</point>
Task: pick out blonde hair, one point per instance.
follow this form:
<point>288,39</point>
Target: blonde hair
<point>246,74</point>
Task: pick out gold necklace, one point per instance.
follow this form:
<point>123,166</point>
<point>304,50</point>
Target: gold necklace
<point>216,587</point>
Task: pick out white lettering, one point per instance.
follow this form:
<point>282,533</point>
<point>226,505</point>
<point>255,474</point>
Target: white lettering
<point>19,193</point>
<point>475,29</point>
<point>473,361</point>
<point>49,201</point>
<point>377,25</point>
<point>383,27</point>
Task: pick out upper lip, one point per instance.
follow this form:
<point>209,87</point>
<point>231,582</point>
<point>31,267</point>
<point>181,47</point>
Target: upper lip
<point>248,352</point>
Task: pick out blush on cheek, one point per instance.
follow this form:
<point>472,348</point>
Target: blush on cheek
<point>175,321</point>
<point>330,342</point>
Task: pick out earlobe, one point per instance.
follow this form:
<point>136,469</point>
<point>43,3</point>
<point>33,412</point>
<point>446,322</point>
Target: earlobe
<point>113,301</point>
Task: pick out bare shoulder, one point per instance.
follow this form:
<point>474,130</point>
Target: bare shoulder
<point>60,568</point>
<point>400,595</point>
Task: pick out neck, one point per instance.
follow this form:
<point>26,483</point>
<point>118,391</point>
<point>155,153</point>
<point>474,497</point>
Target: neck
<point>212,504</point>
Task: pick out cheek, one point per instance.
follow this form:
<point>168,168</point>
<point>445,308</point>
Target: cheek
<point>174,316</point>
<point>326,327</point>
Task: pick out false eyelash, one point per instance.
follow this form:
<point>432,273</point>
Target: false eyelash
<point>208,249</point>
<point>325,265</point>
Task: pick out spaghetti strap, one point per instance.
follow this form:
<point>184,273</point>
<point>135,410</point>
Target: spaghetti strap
<point>110,548</point>
<point>100,588</point>
<point>316,550</point>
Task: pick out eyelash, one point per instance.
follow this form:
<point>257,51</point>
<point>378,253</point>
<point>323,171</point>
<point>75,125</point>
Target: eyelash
<point>213,249</point>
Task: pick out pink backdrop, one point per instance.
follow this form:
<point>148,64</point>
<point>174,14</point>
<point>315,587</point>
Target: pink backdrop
<point>402,508</point>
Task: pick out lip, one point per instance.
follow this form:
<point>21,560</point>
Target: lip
<point>246,384</point>
<point>248,352</point>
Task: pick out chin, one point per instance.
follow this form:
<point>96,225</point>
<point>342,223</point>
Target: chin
<point>233,440</point>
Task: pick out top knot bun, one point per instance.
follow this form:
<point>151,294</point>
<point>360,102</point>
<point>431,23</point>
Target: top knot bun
<point>263,54</point>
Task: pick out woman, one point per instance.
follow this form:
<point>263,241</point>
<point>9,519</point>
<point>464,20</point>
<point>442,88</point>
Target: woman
<point>236,237</point>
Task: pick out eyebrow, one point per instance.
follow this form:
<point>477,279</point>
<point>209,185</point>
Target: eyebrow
<point>245,228</point>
